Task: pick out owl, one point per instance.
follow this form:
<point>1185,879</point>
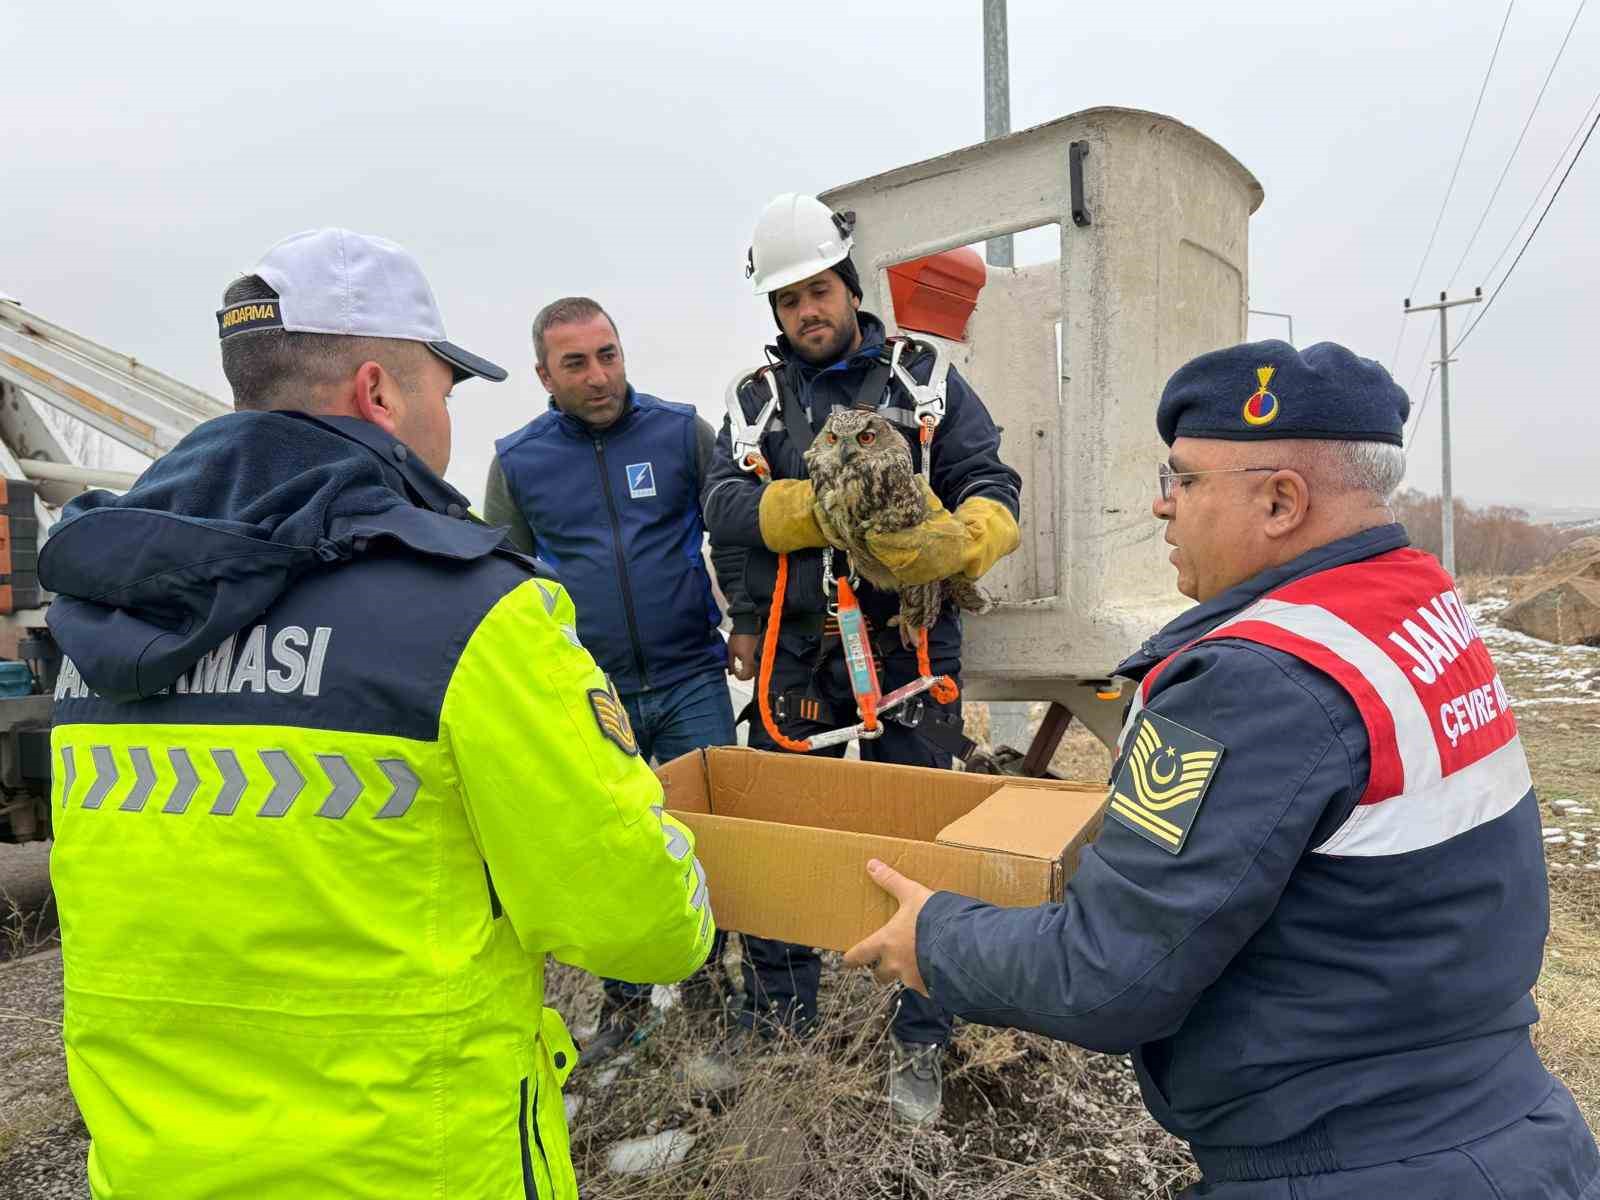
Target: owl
<point>861,471</point>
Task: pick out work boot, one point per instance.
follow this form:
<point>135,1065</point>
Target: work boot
<point>621,1024</point>
<point>916,1080</point>
<point>705,991</point>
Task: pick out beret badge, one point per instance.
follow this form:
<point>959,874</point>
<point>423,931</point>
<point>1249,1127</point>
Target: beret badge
<point>1262,408</point>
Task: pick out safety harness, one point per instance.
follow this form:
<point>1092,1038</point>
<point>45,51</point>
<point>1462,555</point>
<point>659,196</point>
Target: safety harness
<point>844,611</point>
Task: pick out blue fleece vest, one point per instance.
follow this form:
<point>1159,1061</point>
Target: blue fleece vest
<point>616,512</point>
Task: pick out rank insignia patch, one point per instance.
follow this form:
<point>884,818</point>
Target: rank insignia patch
<point>613,718</point>
<point>1164,776</point>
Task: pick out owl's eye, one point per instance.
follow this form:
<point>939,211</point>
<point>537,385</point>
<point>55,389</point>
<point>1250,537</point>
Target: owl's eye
<point>832,437</point>
<point>866,437</point>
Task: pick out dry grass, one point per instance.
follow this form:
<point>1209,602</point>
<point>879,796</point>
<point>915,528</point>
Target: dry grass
<point>23,932</point>
<point>1024,1117</point>
<point>33,1080</point>
<point>1568,1033</point>
<point>1559,719</point>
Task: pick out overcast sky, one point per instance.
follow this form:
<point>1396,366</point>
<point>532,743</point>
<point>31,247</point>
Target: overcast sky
<point>150,152</point>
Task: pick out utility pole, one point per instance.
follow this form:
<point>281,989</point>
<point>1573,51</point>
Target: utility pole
<point>1446,496</point>
<point>996,102</point>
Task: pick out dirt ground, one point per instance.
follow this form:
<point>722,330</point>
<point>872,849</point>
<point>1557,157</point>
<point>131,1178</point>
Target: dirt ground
<point>1556,690</point>
<point>1024,1117</point>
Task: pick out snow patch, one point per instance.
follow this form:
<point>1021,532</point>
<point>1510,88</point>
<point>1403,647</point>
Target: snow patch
<point>647,1155</point>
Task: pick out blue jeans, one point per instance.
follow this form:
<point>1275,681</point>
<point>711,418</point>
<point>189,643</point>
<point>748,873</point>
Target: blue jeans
<point>668,722</point>
<point>684,716</point>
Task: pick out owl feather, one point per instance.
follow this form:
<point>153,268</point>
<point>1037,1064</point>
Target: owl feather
<point>864,481</point>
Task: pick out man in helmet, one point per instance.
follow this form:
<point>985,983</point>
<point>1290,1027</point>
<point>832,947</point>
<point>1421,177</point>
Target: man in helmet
<point>832,355</point>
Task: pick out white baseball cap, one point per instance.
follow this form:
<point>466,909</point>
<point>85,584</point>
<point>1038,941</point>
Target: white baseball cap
<point>351,285</point>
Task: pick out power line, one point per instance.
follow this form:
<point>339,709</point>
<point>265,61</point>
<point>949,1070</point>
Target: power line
<point>1416,423</point>
<point>1445,203</point>
<point>1422,359</point>
<point>1504,279</point>
<point>1577,131</point>
<point>1506,170</point>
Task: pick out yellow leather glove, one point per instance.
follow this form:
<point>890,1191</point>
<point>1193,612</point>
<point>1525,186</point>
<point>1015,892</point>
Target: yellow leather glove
<point>967,543</point>
<point>993,531</point>
<point>787,523</point>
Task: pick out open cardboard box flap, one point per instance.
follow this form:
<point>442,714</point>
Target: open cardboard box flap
<point>1030,821</point>
<point>785,838</point>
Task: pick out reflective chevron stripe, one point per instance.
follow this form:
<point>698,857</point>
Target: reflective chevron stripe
<point>105,776</point>
<point>69,774</point>
<point>288,783</point>
<point>405,788</point>
<point>188,782</point>
<point>677,841</point>
<point>233,783</point>
<point>144,779</point>
<point>346,787</point>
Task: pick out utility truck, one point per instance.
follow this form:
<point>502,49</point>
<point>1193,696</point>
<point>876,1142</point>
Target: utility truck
<point>126,401</point>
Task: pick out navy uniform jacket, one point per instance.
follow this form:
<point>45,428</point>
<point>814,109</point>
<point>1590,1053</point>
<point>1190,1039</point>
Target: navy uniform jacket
<point>616,512</point>
<point>1286,1011</point>
<point>966,462</point>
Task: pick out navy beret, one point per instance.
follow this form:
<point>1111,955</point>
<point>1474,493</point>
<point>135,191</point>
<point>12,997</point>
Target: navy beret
<point>1266,390</point>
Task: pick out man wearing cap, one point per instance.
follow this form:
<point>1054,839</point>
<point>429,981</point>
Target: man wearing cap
<point>334,774</point>
<point>830,355</point>
<point>605,486</point>
<point>1318,906</point>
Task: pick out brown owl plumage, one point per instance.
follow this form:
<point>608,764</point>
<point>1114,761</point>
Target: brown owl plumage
<point>861,471</point>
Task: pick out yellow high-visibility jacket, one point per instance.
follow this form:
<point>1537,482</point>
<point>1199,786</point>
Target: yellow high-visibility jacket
<point>307,882</point>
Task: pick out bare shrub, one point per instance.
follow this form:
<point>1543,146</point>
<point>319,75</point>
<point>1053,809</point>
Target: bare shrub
<point>1497,540</point>
<point>1024,1117</point>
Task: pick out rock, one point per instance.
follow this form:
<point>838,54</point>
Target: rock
<point>647,1155</point>
<point>763,1149</point>
<point>1560,602</point>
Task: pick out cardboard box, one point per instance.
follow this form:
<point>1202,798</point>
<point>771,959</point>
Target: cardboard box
<point>785,838</point>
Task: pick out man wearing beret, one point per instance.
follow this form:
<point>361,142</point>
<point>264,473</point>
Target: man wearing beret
<point>1318,906</point>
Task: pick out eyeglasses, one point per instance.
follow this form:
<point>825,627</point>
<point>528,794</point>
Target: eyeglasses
<point>1165,475</point>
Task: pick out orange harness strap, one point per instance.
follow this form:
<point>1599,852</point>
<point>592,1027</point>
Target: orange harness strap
<point>944,689</point>
<point>769,647</point>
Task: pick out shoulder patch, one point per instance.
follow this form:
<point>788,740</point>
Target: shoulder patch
<point>612,718</point>
<point>1162,780</point>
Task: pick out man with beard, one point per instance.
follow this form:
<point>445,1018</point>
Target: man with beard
<point>831,355</point>
<point>605,487</point>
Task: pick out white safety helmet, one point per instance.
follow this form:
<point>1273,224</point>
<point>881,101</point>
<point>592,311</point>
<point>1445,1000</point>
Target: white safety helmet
<point>796,236</point>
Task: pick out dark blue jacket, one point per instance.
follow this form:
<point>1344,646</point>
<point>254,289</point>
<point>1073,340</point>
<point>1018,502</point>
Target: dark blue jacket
<point>616,513</point>
<point>1287,1011</point>
<point>966,462</point>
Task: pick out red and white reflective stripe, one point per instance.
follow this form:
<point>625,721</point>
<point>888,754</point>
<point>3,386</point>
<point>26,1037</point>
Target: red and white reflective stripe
<point>1463,800</point>
<point>1410,758</point>
<point>1410,803</point>
<point>1134,709</point>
